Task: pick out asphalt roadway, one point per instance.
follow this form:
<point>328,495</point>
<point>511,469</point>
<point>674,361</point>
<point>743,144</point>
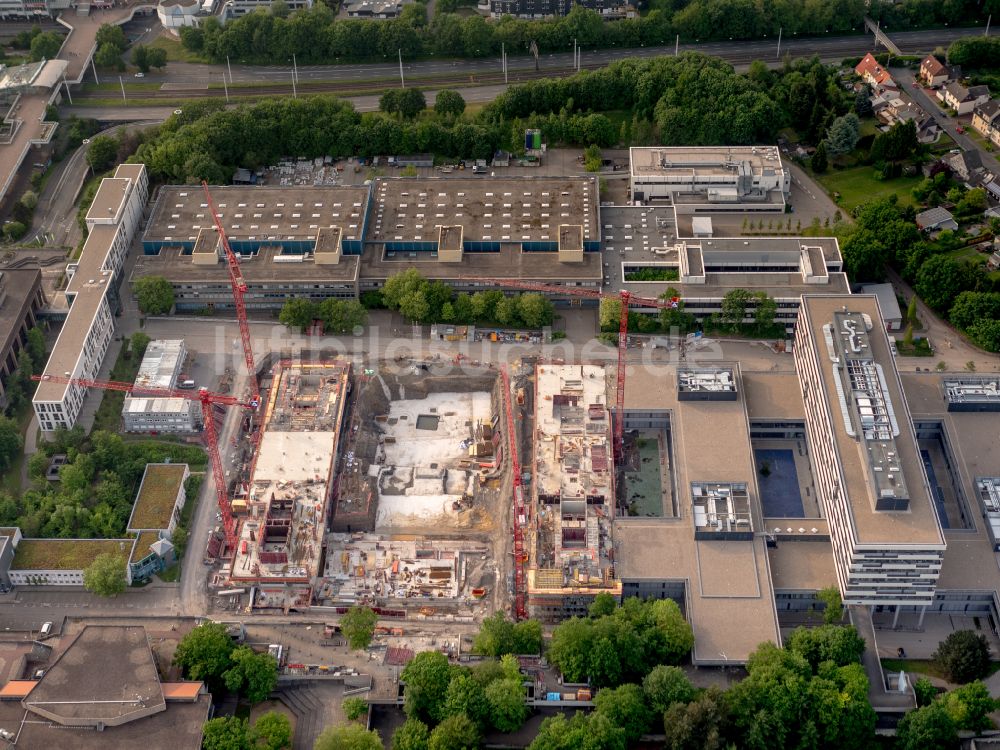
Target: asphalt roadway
<point>828,48</point>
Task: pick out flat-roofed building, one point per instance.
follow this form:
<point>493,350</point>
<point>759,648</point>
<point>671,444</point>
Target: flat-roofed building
<point>104,691</point>
<point>161,365</point>
<point>160,499</point>
<point>711,178</point>
<point>708,550</point>
<point>21,297</point>
<point>887,540</point>
<point>92,294</point>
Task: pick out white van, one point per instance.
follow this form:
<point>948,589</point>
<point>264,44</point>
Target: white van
<point>46,630</point>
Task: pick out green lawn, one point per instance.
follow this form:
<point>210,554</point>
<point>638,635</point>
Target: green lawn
<point>109,413</point>
<point>175,51</point>
<point>858,185</point>
<point>924,666</point>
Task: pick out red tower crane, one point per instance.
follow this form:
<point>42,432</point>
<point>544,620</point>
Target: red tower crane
<point>206,398</point>
<point>627,299</point>
<point>239,287</point>
<point>520,516</point>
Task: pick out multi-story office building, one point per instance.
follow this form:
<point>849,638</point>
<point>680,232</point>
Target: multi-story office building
<point>701,179</point>
<point>160,368</point>
<point>92,293</point>
<point>21,297</point>
<point>887,540</point>
<point>13,10</point>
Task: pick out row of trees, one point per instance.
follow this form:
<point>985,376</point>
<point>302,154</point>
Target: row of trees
<point>336,315</point>
<point>19,386</point>
<point>690,99</point>
<point>317,36</point>
<point>97,486</point>
<point>423,301</point>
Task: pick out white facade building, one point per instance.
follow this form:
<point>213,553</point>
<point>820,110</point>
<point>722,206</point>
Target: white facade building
<point>888,545</point>
<point>160,368</point>
<point>700,179</point>
<point>92,293</point>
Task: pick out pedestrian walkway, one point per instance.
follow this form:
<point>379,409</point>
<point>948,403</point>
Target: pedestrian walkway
<point>878,696</point>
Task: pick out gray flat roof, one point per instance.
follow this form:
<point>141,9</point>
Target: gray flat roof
<point>510,262</point>
<point>276,211</point>
<point>176,267</point>
<point>109,198</point>
<point>88,289</point>
<point>703,159</point>
<point>106,674</point>
<point>19,285</point>
<point>728,582</point>
<point>488,209</point>
<point>783,286</point>
<point>918,525</point>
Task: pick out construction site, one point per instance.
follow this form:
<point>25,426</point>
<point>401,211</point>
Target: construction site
<point>284,503</point>
<point>421,500</point>
<point>570,551</point>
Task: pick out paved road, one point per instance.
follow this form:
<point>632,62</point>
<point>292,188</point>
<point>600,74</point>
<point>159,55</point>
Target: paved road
<point>828,48</point>
<point>946,123</point>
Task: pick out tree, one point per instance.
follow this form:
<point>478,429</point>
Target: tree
<point>925,691</point>
<point>498,636</point>
<point>156,57</point>
<point>986,335</point>
<point>140,57</point>
<point>534,310</point>
<point>927,728</point>
<point>137,345</point>
<point>581,732</point>
<point>970,706</point>
<point>354,708</point>
<point>11,442</point>
<point>964,656</point>
<point>454,733</point>
<point>204,653</point>
<point>604,604</point>
<point>399,285</point>
<point>101,152</point>
<point>865,256</point>
<point>111,34</point>
<point>155,295</point>
<point>341,315</point>
<point>358,624</point>
<point>279,9</point>
<point>36,346</point>
<point>843,134</point>
<point>665,686</point>
<point>896,144</point>
<point>467,696</point>
<point>426,678</point>
<point>592,159</point>
<point>969,308</point>
<point>348,737</point>
<point>734,307</point>
<point>413,735</point>
<point>109,56</point>
<point>253,674</point>
<point>819,162</point>
<point>449,103</point>
<point>226,733</point>
<point>297,313</point>
<point>105,576</point>
<point>626,708</point>
<point>14,230</point>
<point>272,731</point>
<point>833,611</point>
<point>839,644</point>
<point>505,699</point>
<point>29,200</point>
<point>939,281</point>
<point>45,46</point>
<point>697,725</point>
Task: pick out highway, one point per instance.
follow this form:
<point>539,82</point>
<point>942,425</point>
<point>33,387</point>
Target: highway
<point>828,48</point>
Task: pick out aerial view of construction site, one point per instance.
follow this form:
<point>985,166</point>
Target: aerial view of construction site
<point>485,489</point>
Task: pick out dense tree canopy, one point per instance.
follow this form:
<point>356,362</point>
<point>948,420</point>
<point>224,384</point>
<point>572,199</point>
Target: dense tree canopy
<point>204,653</point>
<point>964,656</point>
<point>155,294</point>
<point>624,646</point>
<point>498,636</point>
<point>253,674</point>
<point>348,737</point>
<point>426,678</point>
<point>105,576</point>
